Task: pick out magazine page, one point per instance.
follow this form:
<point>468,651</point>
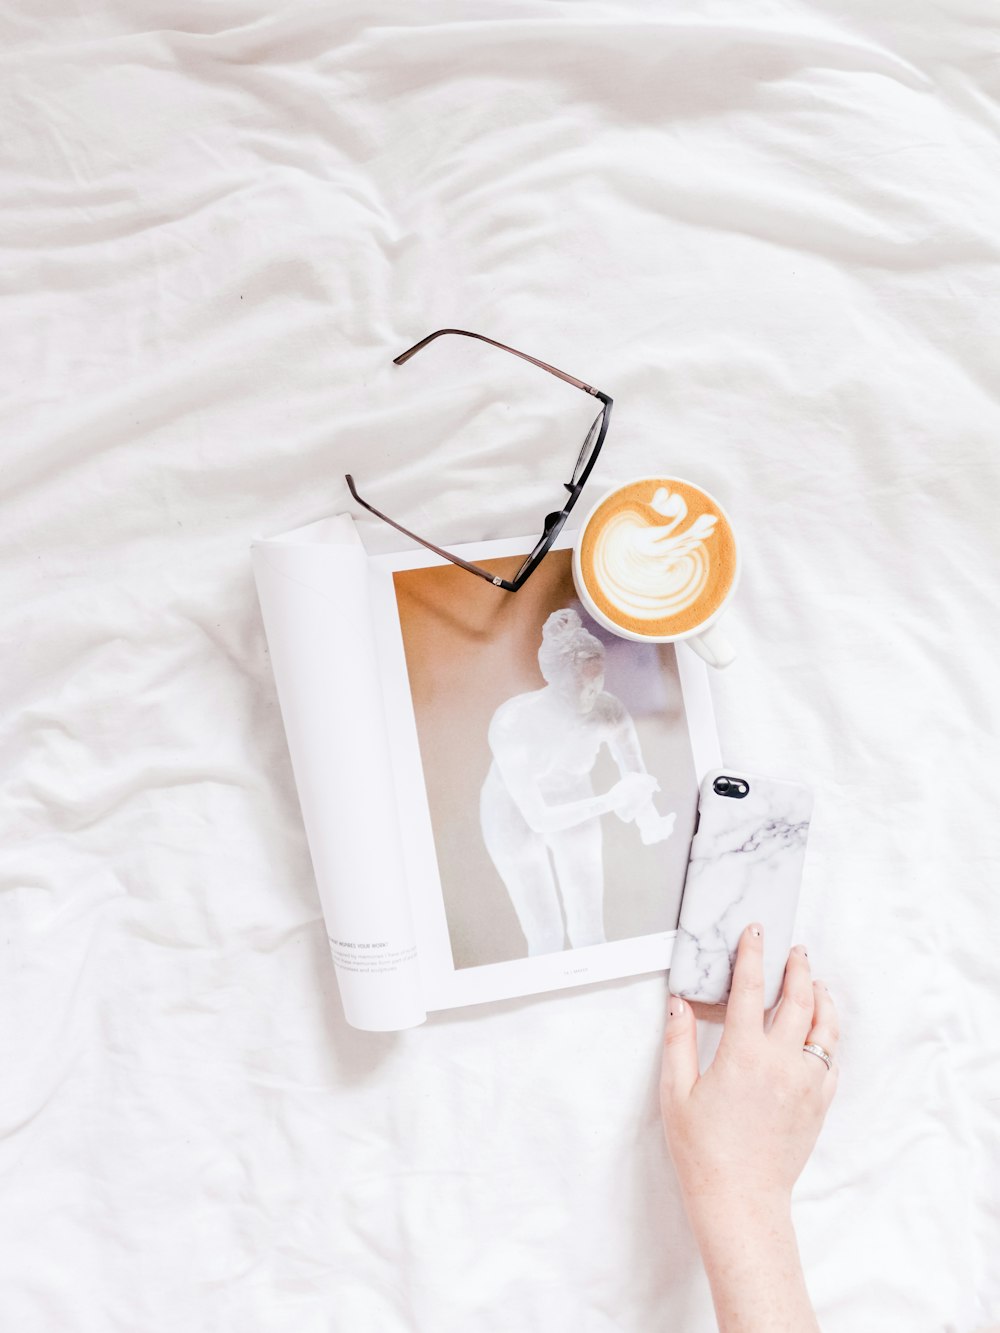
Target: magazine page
<point>313,586</point>
<point>546,775</point>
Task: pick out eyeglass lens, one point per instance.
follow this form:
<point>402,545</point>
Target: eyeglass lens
<point>583,458</point>
<point>555,520</point>
<point>588,448</point>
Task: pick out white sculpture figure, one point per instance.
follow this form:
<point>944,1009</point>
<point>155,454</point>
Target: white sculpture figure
<point>540,818</point>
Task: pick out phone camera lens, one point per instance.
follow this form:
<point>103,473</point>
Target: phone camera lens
<point>722,785</point>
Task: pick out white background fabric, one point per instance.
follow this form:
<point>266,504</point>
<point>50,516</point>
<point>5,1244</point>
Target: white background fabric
<point>770,231</point>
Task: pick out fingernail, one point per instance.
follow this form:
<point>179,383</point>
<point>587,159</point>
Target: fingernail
<point>756,929</point>
<point>801,948</point>
<point>676,1006</point>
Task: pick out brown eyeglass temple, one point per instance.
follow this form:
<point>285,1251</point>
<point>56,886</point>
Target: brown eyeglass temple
<point>411,351</point>
<point>455,560</point>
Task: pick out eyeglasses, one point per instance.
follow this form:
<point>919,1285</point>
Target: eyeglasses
<point>585,461</point>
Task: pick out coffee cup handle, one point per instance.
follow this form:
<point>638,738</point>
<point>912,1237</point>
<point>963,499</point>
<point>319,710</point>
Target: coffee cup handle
<point>712,645</point>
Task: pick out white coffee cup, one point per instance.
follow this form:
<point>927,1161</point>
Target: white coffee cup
<point>705,637</point>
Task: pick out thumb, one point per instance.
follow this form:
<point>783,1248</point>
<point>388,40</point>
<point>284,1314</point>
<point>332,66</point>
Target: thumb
<point>679,1071</point>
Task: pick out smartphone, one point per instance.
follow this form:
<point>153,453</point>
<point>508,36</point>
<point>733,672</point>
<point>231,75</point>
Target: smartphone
<point>745,864</point>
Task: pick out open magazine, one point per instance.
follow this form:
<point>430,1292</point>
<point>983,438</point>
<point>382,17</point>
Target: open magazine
<point>499,795</point>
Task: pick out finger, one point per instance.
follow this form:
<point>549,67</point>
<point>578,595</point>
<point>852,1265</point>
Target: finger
<point>745,1007</point>
<point>795,1013</point>
<point>679,1068</point>
<point>825,1030</point>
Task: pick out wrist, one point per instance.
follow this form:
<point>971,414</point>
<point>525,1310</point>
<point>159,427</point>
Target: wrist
<point>732,1211</point>
<point>751,1257</point>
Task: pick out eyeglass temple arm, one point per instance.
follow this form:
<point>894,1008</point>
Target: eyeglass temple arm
<point>455,560</point>
<point>561,374</point>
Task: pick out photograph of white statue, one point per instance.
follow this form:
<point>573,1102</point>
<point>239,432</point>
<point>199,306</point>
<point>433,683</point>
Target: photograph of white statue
<point>540,815</point>
<point>556,765</point>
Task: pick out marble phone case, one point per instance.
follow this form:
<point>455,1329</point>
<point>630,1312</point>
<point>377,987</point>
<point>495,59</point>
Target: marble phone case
<point>745,865</point>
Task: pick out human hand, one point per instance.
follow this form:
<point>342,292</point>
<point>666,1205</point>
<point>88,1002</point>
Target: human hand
<point>654,828</point>
<point>745,1128</point>
<point>630,793</point>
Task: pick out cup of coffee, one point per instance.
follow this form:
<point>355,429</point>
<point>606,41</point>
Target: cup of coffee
<point>656,561</point>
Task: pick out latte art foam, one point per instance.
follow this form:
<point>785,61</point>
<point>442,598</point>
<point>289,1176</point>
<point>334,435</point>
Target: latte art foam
<point>658,557</point>
<point>644,571</point>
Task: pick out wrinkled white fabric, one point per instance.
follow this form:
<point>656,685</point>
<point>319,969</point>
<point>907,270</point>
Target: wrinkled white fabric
<point>769,229</point>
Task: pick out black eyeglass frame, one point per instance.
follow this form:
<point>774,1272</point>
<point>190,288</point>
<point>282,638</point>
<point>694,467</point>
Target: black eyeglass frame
<point>554,522</point>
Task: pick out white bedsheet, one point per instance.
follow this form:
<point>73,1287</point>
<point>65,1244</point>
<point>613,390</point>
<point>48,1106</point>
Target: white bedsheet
<point>770,230</point>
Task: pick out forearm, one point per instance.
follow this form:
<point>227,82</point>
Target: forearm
<point>542,818</point>
<point>625,748</point>
<point>752,1261</point>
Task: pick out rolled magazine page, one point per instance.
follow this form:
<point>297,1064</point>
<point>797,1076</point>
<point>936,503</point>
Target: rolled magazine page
<point>313,589</point>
